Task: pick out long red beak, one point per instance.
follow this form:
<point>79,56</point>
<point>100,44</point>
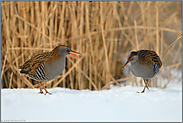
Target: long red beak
<point>71,51</point>
<point>126,63</point>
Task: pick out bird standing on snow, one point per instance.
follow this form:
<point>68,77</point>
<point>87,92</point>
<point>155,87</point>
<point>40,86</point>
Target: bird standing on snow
<point>46,66</point>
<point>145,64</point>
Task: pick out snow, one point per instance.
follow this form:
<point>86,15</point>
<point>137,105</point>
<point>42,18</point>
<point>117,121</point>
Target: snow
<point>116,104</point>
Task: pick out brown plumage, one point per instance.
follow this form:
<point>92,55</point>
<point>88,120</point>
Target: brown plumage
<point>145,64</point>
<point>146,55</point>
<point>46,66</point>
<point>36,61</point>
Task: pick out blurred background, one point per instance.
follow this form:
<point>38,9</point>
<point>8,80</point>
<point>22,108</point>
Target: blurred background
<point>104,32</point>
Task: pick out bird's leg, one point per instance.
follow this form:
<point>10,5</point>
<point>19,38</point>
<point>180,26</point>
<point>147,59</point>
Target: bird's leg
<point>144,86</point>
<point>143,89</point>
<point>147,84</point>
<point>41,92</point>
<point>45,89</point>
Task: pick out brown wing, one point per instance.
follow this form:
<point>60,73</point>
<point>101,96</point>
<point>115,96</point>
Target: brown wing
<point>146,55</point>
<point>32,65</point>
<point>156,59</point>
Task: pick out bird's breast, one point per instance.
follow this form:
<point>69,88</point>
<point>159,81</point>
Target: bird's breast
<point>144,71</point>
<point>55,67</point>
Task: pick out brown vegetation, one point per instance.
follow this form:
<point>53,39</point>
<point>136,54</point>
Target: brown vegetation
<point>104,32</point>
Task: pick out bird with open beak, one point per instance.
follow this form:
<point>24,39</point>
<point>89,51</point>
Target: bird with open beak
<point>48,65</point>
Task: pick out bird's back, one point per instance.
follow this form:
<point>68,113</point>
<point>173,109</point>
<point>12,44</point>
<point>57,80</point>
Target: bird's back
<point>44,66</point>
<point>34,67</point>
<point>148,56</point>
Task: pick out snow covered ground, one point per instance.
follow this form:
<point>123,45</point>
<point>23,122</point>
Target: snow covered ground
<point>116,104</point>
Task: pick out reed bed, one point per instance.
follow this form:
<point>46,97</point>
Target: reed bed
<point>104,32</point>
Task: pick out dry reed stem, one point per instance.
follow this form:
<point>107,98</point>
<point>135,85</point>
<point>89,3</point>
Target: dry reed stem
<point>157,35</point>
<point>11,78</point>
<point>103,31</point>
<point>172,74</point>
<point>136,38</point>
<point>79,70</point>
<point>104,42</point>
<point>114,80</point>
<point>123,79</point>
<point>171,44</point>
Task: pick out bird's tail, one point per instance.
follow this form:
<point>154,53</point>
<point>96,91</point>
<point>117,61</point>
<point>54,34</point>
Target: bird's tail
<point>23,71</point>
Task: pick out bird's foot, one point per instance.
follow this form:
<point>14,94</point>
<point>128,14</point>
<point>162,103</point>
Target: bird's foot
<point>47,93</point>
<point>147,88</point>
<point>40,92</point>
<point>141,92</point>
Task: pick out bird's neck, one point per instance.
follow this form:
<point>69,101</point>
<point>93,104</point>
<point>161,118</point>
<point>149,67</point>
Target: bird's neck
<point>134,61</point>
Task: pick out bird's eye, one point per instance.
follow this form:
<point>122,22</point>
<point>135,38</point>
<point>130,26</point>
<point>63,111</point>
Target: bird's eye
<point>67,50</point>
<point>131,59</point>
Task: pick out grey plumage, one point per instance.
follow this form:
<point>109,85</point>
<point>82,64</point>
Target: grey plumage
<point>145,64</point>
<point>46,66</point>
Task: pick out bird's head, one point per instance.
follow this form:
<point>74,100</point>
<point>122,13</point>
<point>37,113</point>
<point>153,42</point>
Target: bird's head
<point>64,51</point>
<point>132,58</point>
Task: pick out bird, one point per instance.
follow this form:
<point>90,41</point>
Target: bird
<point>145,64</point>
<point>47,65</point>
